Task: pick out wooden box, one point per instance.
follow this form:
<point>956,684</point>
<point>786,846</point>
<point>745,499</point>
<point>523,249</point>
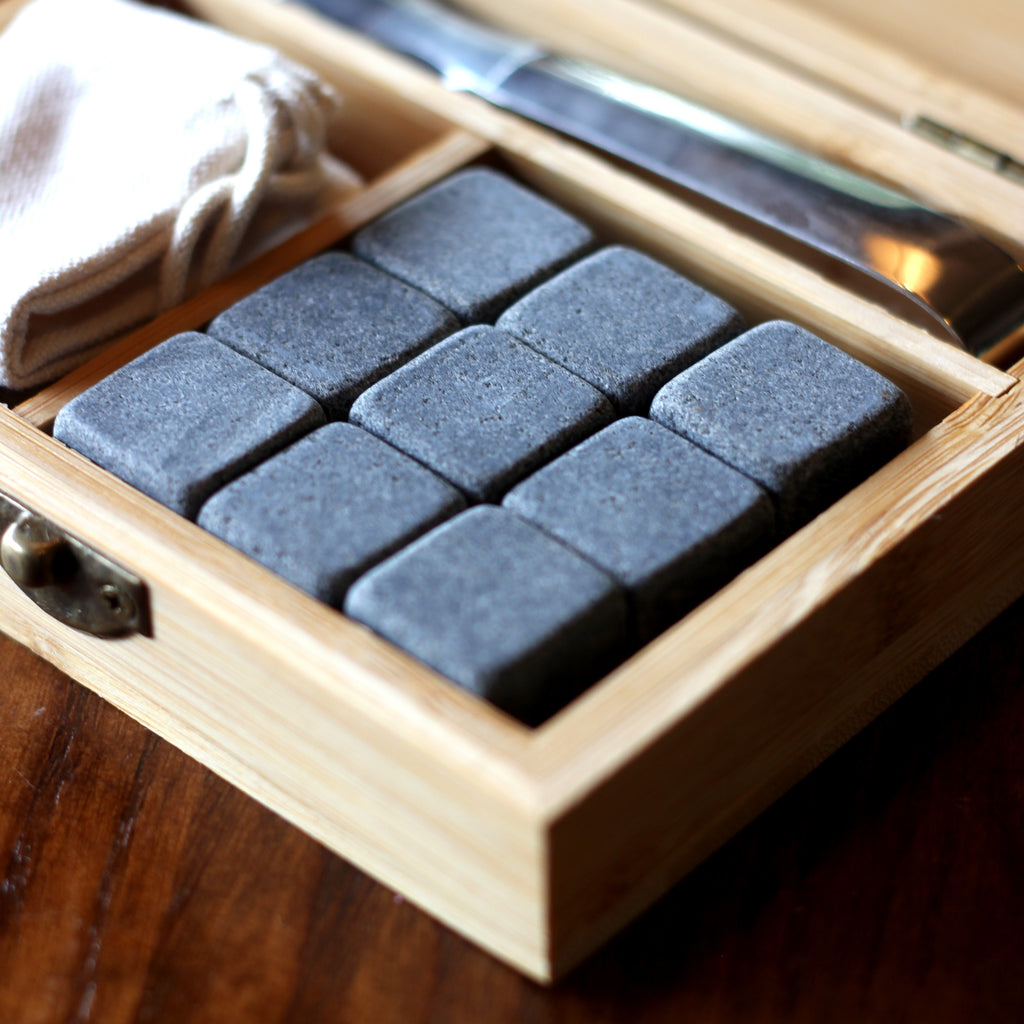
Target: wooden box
<point>540,843</point>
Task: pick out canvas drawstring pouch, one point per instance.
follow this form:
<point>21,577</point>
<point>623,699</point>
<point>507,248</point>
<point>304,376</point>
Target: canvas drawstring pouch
<point>142,156</point>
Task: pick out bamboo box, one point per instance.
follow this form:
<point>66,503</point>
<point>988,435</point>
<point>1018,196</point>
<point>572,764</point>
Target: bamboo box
<point>540,843</point>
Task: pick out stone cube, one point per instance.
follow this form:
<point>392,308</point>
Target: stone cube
<point>623,322</point>
<point>185,418</point>
<point>803,418</point>
<point>482,409</point>
<point>327,508</point>
<point>668,521</point>
<point>499,607</point>
<point>333,326</point>
<point>475,242</point>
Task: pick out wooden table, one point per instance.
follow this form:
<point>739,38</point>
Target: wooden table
<point>888,886</point>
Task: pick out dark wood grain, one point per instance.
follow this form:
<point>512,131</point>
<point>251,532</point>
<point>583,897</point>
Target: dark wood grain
<point>888,886</point>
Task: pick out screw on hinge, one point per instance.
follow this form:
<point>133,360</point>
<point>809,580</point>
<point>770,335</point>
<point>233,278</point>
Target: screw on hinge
<point>970,148</point>
<point>117,602</point>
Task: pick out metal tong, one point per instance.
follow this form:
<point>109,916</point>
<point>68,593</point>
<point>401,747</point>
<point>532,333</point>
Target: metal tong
<point>943,273</point>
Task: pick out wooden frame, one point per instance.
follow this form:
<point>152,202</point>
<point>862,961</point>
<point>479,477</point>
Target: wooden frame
<point>539,844</point>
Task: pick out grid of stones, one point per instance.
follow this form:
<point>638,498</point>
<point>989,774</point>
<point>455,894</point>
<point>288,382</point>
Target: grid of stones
<point>552,450</point>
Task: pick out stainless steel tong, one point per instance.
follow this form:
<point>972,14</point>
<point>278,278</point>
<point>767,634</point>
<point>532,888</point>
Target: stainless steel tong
<point>947,276</point>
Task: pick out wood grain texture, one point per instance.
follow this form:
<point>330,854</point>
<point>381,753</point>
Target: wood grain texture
<point>136,886</point>
<point>882,72</point>
<point>979,42</point>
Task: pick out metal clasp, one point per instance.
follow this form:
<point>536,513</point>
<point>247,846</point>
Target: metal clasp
<point>68,579</point>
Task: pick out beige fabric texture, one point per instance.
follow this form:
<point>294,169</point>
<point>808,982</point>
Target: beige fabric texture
<point>142,156</point>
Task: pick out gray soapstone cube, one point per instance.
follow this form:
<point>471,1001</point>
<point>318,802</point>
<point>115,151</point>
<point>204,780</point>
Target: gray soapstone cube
<point>482,409</point>
<point>475,242</point>
<point>499,607</point>
<point>668,521</point>
<point>624,322</point>
<point>333,326</point>
<point>793,412</point>
<point>327,508</point>
<point>185,418</point>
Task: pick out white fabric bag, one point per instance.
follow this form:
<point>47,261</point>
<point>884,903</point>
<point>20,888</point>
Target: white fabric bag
<point>142,155</point>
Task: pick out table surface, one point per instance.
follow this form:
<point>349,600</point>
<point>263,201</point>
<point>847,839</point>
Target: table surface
<point>888,886</point>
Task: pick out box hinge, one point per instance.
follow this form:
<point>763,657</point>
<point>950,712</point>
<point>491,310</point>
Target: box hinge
<point>67,578</point>
<point>970,148</point>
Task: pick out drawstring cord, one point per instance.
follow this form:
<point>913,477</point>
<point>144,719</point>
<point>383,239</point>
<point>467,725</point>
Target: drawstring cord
<point>229,203</point>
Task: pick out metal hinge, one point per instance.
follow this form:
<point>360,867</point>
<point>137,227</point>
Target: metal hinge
<point>970,148</point>
<point>67,578</point>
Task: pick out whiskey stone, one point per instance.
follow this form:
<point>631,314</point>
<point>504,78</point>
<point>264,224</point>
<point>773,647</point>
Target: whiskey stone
<point>669,522</point>
<point>333,326</point>
<point>184,419</point>
<point>499,607</point>
<point>475,242</point>
<point>326,509</point>
<point>791,411</point>
<point>624,322</point>
<point>482,409</point>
